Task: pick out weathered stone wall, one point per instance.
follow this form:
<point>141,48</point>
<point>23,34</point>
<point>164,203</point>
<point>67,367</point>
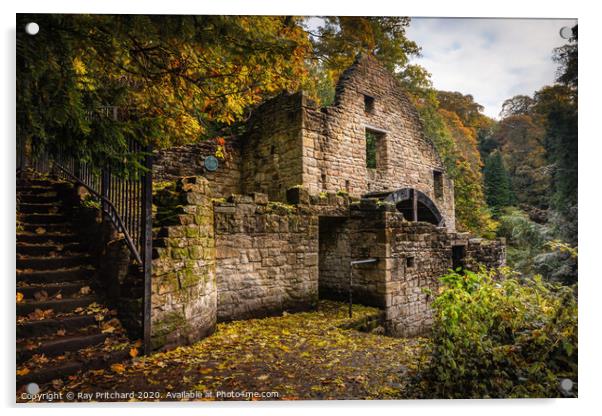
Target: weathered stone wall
<point>182,161</point>
<point>272,148</point>
<point>419,254</point>
<point>334,257</point>
<point>367,233</point>
<point>267,257</point>
<point>184,291</point>
<point>334,141</point>
<point>358,237</point>
<point>488,253</point>
<point>412,256</point>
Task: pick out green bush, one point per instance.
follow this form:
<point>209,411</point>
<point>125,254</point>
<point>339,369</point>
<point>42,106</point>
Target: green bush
<point>497,339</point>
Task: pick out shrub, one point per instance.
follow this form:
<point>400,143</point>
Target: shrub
<point>498,339</point>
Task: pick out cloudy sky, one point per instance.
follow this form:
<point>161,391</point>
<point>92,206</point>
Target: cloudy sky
<point>491,59</point>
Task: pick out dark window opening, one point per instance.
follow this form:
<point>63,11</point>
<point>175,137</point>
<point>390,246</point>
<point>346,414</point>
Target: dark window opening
<point>273,149</point>
<point>375,149</point>
<point>324,181</point>
<point>458,258</point>
<point>347,186</point>
<point>410,262</point>
<point>368,104</point>
<point>438,183</point>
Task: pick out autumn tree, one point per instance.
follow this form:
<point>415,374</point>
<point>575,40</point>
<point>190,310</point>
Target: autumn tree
<point>176,79</point>
<point>517,105</point>
<point>472,213</point>
<point>338,40</point>
<point>521,143</point>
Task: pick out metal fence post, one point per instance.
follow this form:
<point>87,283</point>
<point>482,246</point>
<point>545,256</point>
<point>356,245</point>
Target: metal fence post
<point>104,189</point>
<point>147,246</point>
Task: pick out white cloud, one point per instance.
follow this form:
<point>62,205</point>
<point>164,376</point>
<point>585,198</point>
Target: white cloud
<point>491,59</point>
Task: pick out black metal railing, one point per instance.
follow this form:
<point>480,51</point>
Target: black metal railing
<point>125,200</point>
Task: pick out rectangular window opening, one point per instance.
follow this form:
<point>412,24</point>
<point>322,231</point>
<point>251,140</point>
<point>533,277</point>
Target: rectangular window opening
<point>410,262</point>
<point>438,183</point>
<point>368,104</point>
<point>375,149</point>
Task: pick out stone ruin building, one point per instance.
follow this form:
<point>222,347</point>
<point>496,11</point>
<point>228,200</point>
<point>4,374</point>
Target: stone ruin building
<point>301,195</point>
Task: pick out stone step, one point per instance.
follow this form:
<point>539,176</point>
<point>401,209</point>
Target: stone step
<point>42,182</point>
<point>35,190</point>
<point>67,274</point>
<point>51,263</point>
<point>45,327</point>
<point>61,305</point>
<point>40,208</point>
<point>47,237</point>
<point>65,228</point>
<point>65,289</point>
<point>38,198</point>
<point>60,345</point>
<point>48,248</point>
<point>42,218</point>
<point>62,370</point>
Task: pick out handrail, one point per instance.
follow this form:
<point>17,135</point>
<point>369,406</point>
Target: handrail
<point>126,203</point>
<point>111,212</point>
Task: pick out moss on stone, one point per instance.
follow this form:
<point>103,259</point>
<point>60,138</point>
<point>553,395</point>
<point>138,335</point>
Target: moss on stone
<point>169,323</point>
<point>280,207</point>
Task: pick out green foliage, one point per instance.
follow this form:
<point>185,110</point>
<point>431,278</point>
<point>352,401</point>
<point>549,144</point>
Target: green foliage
<point>90,202</point>
<point>557,106</point>
<point>536,249</point>
<point>498,189</point>
<point>500,339</point>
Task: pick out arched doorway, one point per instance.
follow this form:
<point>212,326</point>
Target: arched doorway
<point>416,206</point>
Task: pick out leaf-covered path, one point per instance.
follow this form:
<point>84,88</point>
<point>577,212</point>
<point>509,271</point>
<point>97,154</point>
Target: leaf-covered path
<point>297,356</point>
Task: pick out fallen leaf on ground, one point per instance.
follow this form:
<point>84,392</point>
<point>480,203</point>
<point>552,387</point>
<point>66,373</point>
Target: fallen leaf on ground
<point>40,231</point>
<point>41,296</point>
<point>118,368</point>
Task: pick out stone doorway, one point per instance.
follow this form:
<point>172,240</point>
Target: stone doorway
<point>458,258</point>
<point>333,258</point>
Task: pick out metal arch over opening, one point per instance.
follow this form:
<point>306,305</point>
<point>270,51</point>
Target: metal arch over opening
<point>416,206</point>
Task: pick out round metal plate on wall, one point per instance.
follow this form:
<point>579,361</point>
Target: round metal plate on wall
<point>211,163</point>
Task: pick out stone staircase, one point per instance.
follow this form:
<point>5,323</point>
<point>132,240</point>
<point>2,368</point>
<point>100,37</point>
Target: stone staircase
<point>63,326</point>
